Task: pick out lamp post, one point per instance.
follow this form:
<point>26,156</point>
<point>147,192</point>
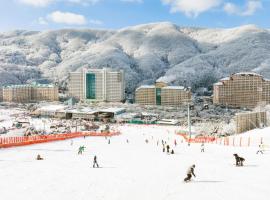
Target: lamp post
<point>189,125</point>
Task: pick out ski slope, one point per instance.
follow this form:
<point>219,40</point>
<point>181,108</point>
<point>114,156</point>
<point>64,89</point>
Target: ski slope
<point>132,171</point>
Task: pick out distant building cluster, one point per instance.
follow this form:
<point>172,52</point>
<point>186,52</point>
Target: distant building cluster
<point>29,93</point>
<point>162,94</point>
<point>242,90</point>
<point>245,89</point>
<point>97,85</point>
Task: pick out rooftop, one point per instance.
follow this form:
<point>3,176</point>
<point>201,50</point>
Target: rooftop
<point>174,87</point>
<point>247,73</point>
<point>35,85</point>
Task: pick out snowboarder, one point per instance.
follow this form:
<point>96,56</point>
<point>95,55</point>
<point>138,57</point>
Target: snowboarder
<point>39,157</point>
<point>202,147</point>
<point>190,173</point>
<point>81,149</point>
<point>168,148</point>
<point>95,162</point>
<point>238,160</point>
<point>261,148</point>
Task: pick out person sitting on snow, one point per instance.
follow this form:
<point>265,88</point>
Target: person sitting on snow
<point>190,173</point>
<point>39,157</point>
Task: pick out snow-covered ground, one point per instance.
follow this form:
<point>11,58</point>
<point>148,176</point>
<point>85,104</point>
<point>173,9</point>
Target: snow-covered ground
<point>132,171</point>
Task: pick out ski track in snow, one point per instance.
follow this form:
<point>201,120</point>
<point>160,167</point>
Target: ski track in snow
<point>133,170</point>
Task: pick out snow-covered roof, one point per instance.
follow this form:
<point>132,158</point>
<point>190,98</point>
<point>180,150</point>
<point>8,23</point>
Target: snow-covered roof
<point>218,83</point>
<point>52,108</point>
<point>149,114</point>
<point>82,111</point>
<point>225,79</point>
<point>113,110</point>
<point>247,73</point>
<point>174,87</point>
<point>146,86</point>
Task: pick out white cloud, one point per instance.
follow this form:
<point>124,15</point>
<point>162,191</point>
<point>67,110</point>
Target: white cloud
<point>230,8</point>
<point>67,18</point>
<point>250,8</point>
<point>42,21</point>
<point>192,8</point>
<point>95,22</point>
<point>37,3</point>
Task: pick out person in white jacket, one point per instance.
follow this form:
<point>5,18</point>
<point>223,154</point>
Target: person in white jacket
<point>261,148</point>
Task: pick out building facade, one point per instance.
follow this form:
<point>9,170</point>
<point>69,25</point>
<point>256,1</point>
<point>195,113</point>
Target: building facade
<point>250,120</point>
<point>30,93</point>
<point>242,90</point>
<point>97,85</point>
<point>161,94</point>
<point>1,94</point>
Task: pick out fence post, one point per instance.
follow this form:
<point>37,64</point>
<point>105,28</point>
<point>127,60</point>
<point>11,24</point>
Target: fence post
<point>240,142</point>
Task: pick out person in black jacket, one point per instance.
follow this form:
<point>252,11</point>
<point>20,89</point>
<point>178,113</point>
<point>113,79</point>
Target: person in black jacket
<point>190,173</point>
<point>95,162</point>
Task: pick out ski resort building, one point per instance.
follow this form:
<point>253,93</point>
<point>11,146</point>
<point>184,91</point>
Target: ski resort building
<point>1,94</point>
<point>250,120</point>
<point>161,94</point>
<point>97,85</point>
<point>30,93</point>
<point>244,89</point>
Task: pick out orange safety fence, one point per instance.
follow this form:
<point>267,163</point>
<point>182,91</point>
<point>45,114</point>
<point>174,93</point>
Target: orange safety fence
<point>226,141</point>
<point>6,142</point>
<point>199,139</point>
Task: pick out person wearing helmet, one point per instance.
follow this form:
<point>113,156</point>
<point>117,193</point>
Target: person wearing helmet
<point>190,173</point>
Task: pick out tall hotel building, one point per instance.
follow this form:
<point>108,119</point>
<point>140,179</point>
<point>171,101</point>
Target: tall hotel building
<point>97,85</point>
<point>161,94</point>
<point>245,89</point>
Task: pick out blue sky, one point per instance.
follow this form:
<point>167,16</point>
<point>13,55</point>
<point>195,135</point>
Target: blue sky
<point>114,14</point>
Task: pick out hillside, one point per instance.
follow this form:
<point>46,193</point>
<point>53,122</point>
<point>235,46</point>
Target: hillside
<point>146,52</point>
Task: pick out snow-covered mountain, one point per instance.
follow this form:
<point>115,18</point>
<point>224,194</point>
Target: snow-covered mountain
<point>194,57</point>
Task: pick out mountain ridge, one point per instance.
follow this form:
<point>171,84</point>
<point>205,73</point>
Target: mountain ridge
<point>189,56</point>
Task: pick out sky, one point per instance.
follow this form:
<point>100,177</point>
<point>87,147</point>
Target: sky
<point>115,14</point>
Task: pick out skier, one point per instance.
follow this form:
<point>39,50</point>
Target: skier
<point>175,143</point>
<point>261,148</point>
<point>168,148</point>
<point>163,148</point>
<point>202,147</point>
<point>81,149</point>
<point>172,152</point>
<point>190,173</point>
<point>95,162</point>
